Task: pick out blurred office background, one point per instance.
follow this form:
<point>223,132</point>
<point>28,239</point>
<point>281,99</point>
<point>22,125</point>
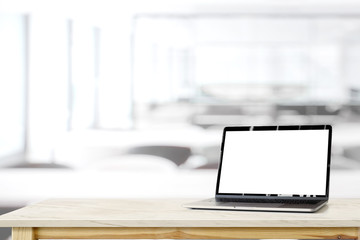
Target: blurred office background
<point>128,98</point>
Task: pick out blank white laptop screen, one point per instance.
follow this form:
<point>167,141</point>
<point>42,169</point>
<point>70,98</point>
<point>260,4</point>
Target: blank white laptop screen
<point>290,162</point>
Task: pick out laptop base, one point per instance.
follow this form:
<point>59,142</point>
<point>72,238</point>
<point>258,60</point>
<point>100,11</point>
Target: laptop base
<point>212,203</point>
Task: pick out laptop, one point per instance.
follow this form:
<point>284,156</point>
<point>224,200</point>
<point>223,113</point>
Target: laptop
<point>272,168</point>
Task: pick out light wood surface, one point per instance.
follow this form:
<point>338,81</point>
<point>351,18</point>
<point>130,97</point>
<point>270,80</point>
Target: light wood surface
<point>195,233</point>
<point>167,219</point>
<point>158,213</point>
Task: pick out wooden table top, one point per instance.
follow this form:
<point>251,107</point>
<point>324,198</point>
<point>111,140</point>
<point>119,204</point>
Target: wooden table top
<point>170,213</point>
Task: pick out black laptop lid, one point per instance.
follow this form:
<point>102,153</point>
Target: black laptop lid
<point>287,162</point>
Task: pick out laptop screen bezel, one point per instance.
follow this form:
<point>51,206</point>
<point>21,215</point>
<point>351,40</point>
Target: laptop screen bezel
<point>275,128</point>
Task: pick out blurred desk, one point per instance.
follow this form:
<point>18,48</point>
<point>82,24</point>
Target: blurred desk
<point>19,187</point>
<point>167,219</point>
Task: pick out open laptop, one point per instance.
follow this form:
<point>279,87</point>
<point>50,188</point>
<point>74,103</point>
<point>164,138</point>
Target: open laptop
<point>272,168</point>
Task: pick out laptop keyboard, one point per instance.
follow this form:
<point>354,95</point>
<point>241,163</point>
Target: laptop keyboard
<point>286,201</point>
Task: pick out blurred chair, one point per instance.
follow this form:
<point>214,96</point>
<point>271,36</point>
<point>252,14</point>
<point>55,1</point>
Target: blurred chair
<point>176,154</point>
<point>354,111</point>
<point>209,166</point>
<point>352,153</point>
<point>39,165</point>
<point>212,154</point>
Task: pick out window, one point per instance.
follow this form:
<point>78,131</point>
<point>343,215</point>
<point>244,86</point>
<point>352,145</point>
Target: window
<point>84,75</point>
<point>12,85</point>
<point>244,60</point>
